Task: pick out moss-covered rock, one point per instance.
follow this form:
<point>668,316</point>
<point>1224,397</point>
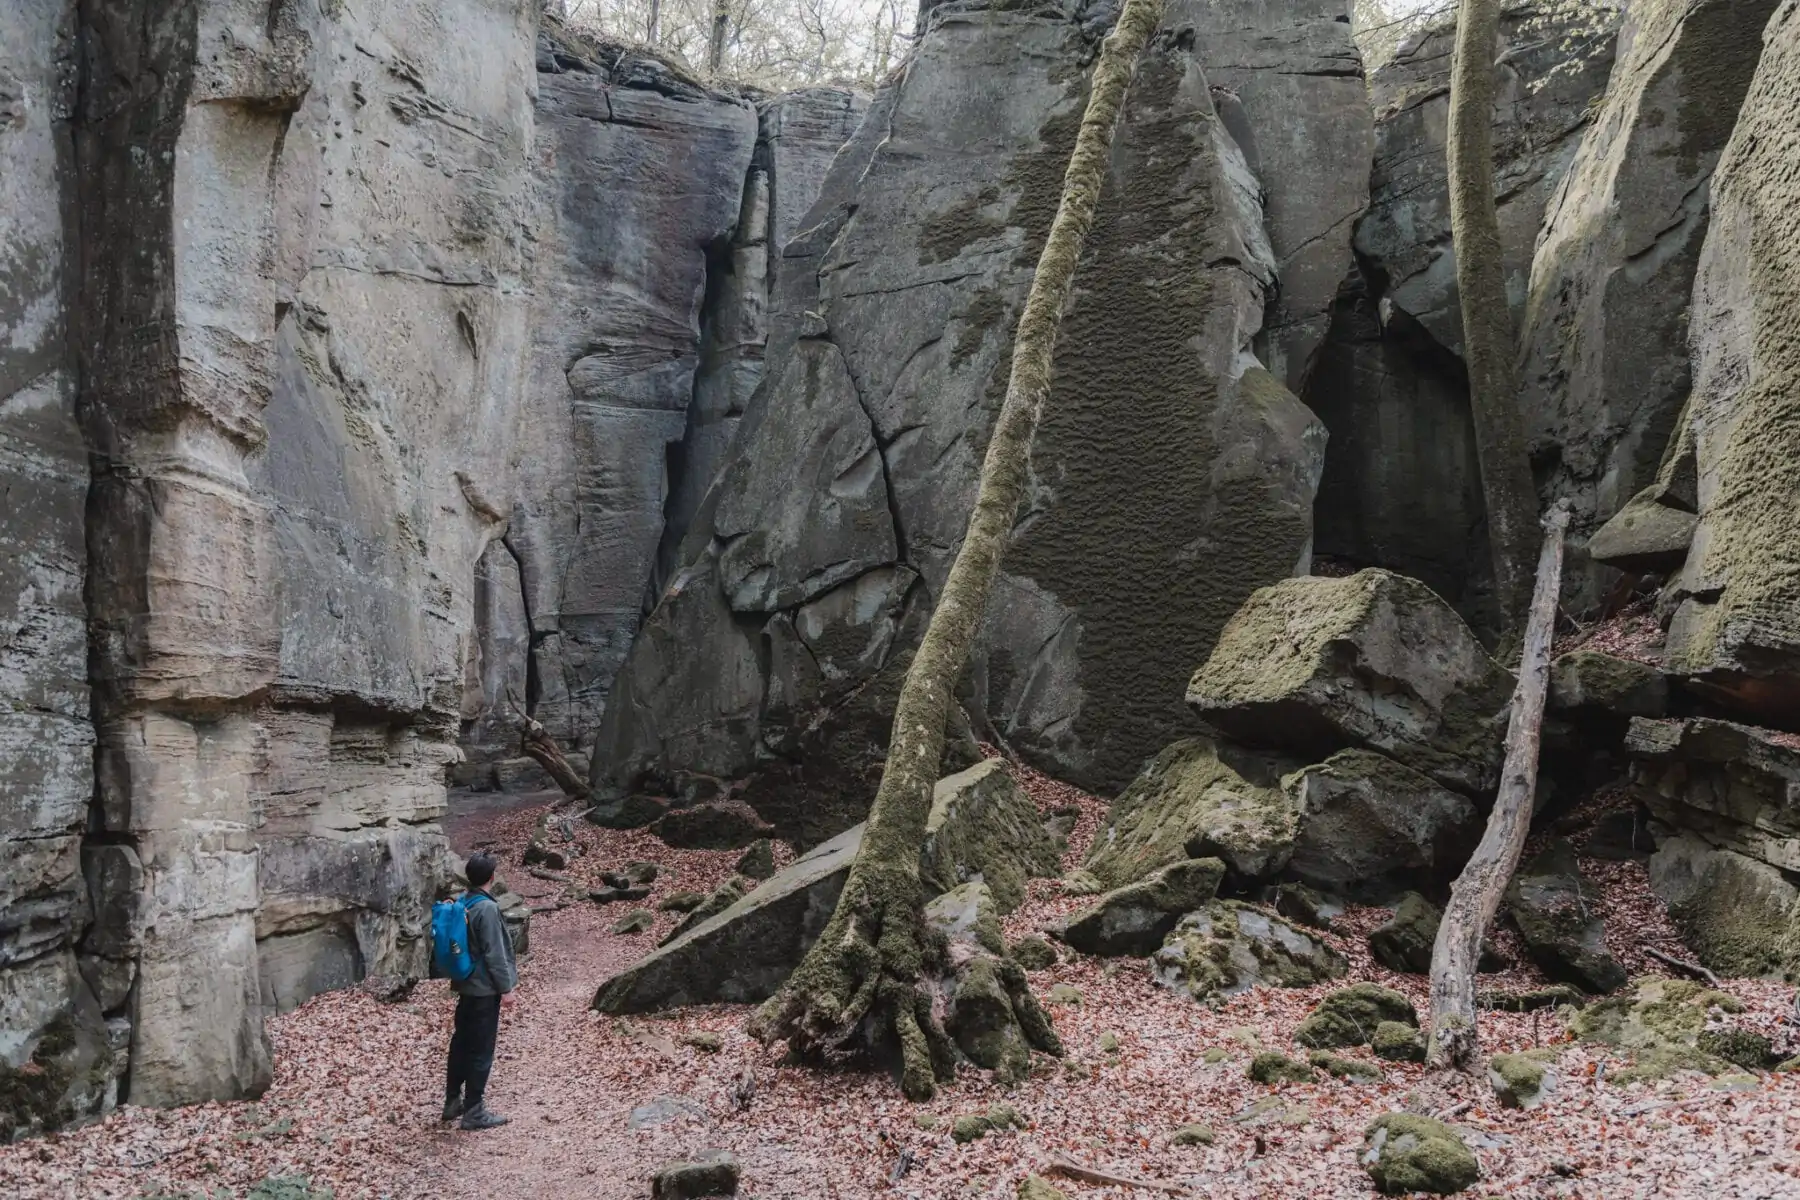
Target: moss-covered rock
<point>1198,797</point>
<point>1273,1067</point>
<point>982,823</point>
<point>288,1187</point>
<point>1666,1062</point>
<point>716,825</point>
<point>1034,953</point>
<point>990,1013</point>
<point>1192,1135</point>
<point>1523,1080</point>
<point>1065,994</point>
<point>1297,902</point>
<point>1659,1022</point>
<point>1228,947</point>
<point>1398,1042</point>
<point>1308,665</point>
<point>1035,1187</point>
<point>704,1041</point>
<point>1744,1047</point>
<point>998,1118</point>
<point>708,1173</point>
<point>1353,1069</point>
<point>1350,1016</point>
<point>1558,915</point>
<point>681,902</point>
<point>1407,1153</point>
<point>637,920</point>
<point>1589,680</point>
<point>1645,535</point>
<point>758,862</point>
<point>1136,918</point>
<point>1366,824</point>
<point>1553,995</point>
<point>720,899</point>
<point>1403,942</point>
<point>1738,915</point>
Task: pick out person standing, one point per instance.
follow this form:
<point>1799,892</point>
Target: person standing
<point>480,997</point>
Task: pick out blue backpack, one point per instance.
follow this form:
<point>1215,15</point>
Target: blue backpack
<point>450,956</point>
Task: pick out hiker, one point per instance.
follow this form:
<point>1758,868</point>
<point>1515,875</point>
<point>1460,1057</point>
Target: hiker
<point>481,994</point>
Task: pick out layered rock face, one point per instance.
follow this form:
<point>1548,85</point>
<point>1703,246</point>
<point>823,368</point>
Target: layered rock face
<point>1402,486</point>
<point>777,647</point>
<point>296,376</point>
<point>46,740</point>
<point>1604,364</point>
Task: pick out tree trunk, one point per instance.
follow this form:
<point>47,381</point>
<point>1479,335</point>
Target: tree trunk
<point>861,980</point>
<point>1487,328</point>
<point>721,26</point>
<point>650,27</point>
<point>538,745</point>
<point>1475,896</point>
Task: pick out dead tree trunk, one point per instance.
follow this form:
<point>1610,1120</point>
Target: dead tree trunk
<point>538,745</point>
<point>715,47</point>
<point>1475,896</point>
<point>861,980</point>
<point>1487,328</point>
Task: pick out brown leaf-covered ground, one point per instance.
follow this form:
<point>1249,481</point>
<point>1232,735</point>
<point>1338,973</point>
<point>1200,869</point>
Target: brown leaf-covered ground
<point>357,1089</point>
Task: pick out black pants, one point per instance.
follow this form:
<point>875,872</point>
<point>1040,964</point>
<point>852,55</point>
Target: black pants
<point>472,1048</point>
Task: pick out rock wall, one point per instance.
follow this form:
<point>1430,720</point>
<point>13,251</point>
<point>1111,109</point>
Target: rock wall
<point>301,326</point>
<point>768,664</point>
<point>1401,487</point>
<point>50,1018</point>
<point>1735,606</point>
<point>1604,362</point>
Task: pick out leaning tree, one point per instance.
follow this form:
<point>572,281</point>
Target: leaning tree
<point>862,981</point>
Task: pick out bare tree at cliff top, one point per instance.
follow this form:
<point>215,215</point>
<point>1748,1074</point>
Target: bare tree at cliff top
<point>1487,326</point>
<point>861,980</point>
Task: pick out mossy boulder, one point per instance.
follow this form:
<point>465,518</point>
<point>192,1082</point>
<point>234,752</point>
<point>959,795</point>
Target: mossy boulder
<point>1297,902</point>
<point>1523,1080</point>
<point>1398,1042</point>
<point>1035,1187</point>
<point>1192,1135</point>
<point>640,871</point>
<point>1557,913</point>
<point>1407,1153</point>
<point>1554,995</point>
<point>1645,536</point>
<point>1350,1016</point>
<point>1312,665</point>
<point>1228,947</point>
<point>681,902</point>
<point>1354,1070</point>
<point>1136,918</point>
<point>1199,797</point>
<point>989,1012</point>
<point>1034,953</point>
<point>998,1118</point>
<point>719,900</point>
<point>1365,824</point>
<point>287,1187</point>
<point>1739,916</point>
<point>708,1173</point>
<point>1404,941</point>
<point>705,1041</point>
<point>717,825</point>
<point>758,862</point>
<point>1273,1067</point>
<point>1659,1022</point>
<point>1744,1047</point>
<point>1589,681</point>
<point>638,920</point>
<point>982,824</point>
<point>1065,994</point>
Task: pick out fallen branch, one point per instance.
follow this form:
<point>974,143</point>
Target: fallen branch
<point>551,876</point>
<point>1062,1164</point>
<point>1682,964</point>
<point>539,746</point>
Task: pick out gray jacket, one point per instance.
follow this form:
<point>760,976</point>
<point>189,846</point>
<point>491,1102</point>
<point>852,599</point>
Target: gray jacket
<point>495,972</point>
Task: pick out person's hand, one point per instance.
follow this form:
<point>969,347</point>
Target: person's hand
<point>506,999</point>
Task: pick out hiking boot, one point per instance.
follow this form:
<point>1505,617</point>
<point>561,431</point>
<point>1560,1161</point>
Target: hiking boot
<point>480,1118</point>
<point>453,1108</point>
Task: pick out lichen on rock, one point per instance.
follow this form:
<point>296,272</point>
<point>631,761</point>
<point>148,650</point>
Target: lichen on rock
<point>1408,1153</point>
<point>1134,919</point>
<point>1350,1016</point>
<point>1228,947</point>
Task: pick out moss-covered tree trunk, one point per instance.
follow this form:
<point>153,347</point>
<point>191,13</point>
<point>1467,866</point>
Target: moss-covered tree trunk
<point>1475,896</point>
<point>1487,327</point>
<point>861,983</point>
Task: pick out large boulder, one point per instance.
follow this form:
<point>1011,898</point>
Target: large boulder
<point>741,944</point>
<point>774,653</point>
<point>1227,947</point>
<point>1605,372</point>
<point>1739,915</point>
<point>1735,627</point>
<point>1198,796</point>
<point>1365,826</point>
<point>1373,660</point>
<point>983,826</point>
<point>1134,919</point>
<point>1402,485</point>
<point>1557,914</point>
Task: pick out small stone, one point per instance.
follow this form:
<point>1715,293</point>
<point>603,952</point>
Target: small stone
<point>1352,1069</point>
<point>1192,1135</point>
<point>1109,1042</point>
<point>642,871</point>
<point>1350,1015</point>
<point>925,1121</point>
<point>1244,1035</point>
<point>662,1110</point>
<point>703,1041</point>
<point>708,1173</point>
<point>681,902</point>
<point>1034,953</point>
<point>1004,1116</point>
<point>1408,1153</point>
<point>636,921</point>
<point>615,895</point>
<point>1273,1067</point>
<point>539,855</point>
<point>1398,1042</point>
<point>758,862</point>
<point>1033,1187</point>
<point>997,1119</point>
<point>1522,1080</point>
<point>1215,1055</point>
<point>1062,993</point>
